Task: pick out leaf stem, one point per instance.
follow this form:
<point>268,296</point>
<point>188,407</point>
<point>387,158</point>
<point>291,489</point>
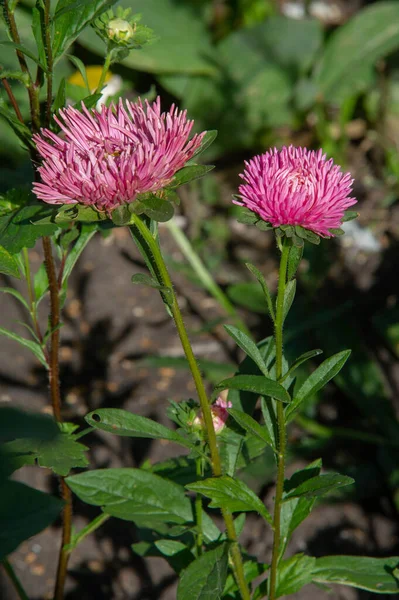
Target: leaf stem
<point>90,528</point>
<point>49,54</point>
<point>22,595</point>
<point>198,510</point>
<point>164,279</point>
<point>280,416</point>
<point>106,66</point>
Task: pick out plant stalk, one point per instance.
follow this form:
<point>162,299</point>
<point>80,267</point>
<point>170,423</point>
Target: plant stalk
<point>22,595</point>
<point>107,64</point>
<point>165,280</point>
<point>280,417</point>
<point>49,54</point>
<point>13,100</point>
<point>90,528</point>
<point>198,510</point>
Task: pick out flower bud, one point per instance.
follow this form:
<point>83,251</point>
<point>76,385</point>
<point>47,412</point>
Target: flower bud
<point>119,30</point>
<point>219,415</point>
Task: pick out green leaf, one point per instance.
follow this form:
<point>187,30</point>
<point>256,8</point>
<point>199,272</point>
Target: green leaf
<point>71,17</point>
<point>319,485</point>
<point>293,573</point>
<point>15,423</point>
<point>34,347</point>
<point>189,173</point>
<point>40,282</point>
<point>249,347</point>
<point>62,454</point>
<point>252,570</point>
<point>355,47</point>
<point>307,234</point>
<point>378,575</point>
<point>318,379</point>
<point>349,215</point>
<point>300,360</point>
<point>257,384</point>
<point>265,288</point>
<point>144,279</point>
<point>24,512</point>
<point>289,295</point>
<point>38,31</point>
<point>206,141</point>
<point>133,495</point>
<point>124,423</point>
<point>81,68</point>
<point>252,426</point>
<point>8,264</point>
<point>205,577</point>
<point>18,230</point>
<point>233,494</point>
<point>60,98</point>
<point>13,457</point>
<point>294,258</point>
<point>244,215</point>
<point>249,296</point>
<point>156,208</point>
<point>86,233</point>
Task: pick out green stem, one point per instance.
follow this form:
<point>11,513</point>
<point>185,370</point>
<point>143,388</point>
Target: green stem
<point>32,300</point>
<point>90,528</point>
<point>14,579</point>
<point>49,54</point>
<point>280,416</point>
<point>203,274</point>
<point>198,510</point>
<point>106,66</point>
<point>164,279</point>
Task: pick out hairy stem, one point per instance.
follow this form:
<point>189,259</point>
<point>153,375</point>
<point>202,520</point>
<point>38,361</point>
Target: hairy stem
<point>13,100</point>
<point>280,417</point>
<point>22,595</point>
<point>63,557</point>
<point>165,280</point>
<point>107,64</point>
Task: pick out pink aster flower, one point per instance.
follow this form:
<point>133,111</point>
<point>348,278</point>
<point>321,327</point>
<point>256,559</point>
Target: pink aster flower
<point>296,186</point>
<point>106,158</point>
<point>219,414</point>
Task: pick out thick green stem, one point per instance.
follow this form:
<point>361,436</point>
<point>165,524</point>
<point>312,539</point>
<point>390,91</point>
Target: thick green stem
<point>198,511</point>
<point>165,280</point>
<point>280,416</point>
<point>22,595</point>
<point>107,64</point>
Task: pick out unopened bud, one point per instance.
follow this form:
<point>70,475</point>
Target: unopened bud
<point>219,415</point>
<point>120,30</point>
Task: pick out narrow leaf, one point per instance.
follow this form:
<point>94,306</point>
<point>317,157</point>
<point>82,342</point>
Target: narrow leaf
<point>25,51</point>
<point>233,494</point>
<point>249,347</point>
<point>294,258</point>
<point>17,295</point>
<point>318,379</point>
<point>262,386</point>
<point>81,68</point>
<point>8,264</point>
<point>293,574</point>
<point>377,575</point>
<point>252,426</point>
<point>34,347</point>
<point>265,288</point>
<point>205,577</point>
<point>319,485</point>
<point>301,359</point>
<point>187,174</point>
<point>289,296</point>
<point>206,141</point>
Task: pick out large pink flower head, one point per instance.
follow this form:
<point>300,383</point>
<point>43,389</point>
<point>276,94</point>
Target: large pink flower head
<point>107,158</point>
<point>296,186</point>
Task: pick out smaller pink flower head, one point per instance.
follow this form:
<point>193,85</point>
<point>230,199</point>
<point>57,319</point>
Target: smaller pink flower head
<point>296,186</point>
<point>219,415</point>
<point>106,158</point>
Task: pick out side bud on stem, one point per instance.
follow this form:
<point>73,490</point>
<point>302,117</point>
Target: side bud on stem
<point>219,415</point>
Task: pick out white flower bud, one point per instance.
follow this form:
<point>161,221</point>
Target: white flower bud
<point>119,30</point>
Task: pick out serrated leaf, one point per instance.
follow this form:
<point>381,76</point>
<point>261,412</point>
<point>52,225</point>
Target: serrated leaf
<point>24,512</point>
<point>8,264</point>
<point>319,485</point>
<point>71,17</point>
<point>318,379</point>
<point>34,347</point>
<point>293,573</point>
<point>61,455</point>
<point>252,426</point>
<point>257,384</point>
<point>205,577</point>
<point>233,494</point>
<point>249,347</point>
<point>133,495</point>
<point>264,286</point>
<point>124,423</point>
<point>18,230</point>
<point>187,174</point>
<point>376,575</point>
